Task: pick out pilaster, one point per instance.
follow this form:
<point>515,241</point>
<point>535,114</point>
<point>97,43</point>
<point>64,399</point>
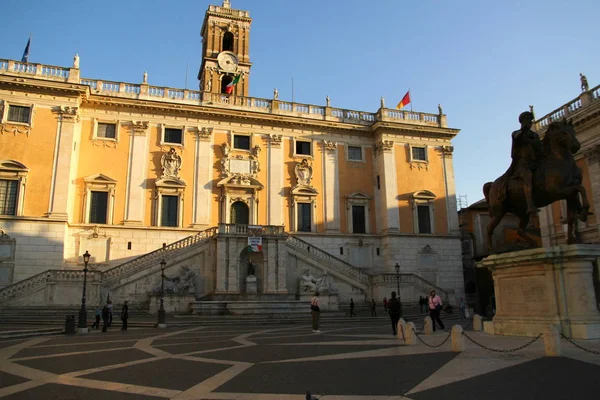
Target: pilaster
<point>449,184</point>
<point>389,215</point>
<point>271,267</point>
<point>61,188</point>
<point>233,264</point>
<point>593,160</point>
<point>275,181</point>
<point>203,161</point>
<point>135,200</point>
<point>331,182</point>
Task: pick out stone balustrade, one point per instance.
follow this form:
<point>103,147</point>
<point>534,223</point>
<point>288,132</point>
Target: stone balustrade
<point>193,97</point>
<point>251,230</point>
<point>568,109</point>
<point>391,280</point>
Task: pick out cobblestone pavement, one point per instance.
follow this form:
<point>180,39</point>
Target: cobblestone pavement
<point>358,359</point>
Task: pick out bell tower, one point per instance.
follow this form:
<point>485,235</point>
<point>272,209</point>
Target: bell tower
<point>225,52</point>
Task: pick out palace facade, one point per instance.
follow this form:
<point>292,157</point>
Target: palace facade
<point>134,173</point>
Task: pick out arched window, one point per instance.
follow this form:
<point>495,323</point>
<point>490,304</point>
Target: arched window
<point>224,82</point>
<point>227,41</point>
<point>240,213</point>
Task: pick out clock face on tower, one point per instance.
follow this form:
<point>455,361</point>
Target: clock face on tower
<point>228,61</point>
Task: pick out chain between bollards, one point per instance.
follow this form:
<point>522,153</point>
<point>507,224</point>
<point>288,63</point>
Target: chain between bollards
<point>428,345</point>
<point>503,350</point>
<point>578,345</point>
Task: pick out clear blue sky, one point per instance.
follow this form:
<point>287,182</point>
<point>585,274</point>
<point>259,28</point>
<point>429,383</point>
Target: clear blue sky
<point>484,61</point>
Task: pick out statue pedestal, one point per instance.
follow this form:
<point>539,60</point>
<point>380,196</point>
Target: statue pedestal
<point>251,284</point>
<point>541,287</point>
<point>327,302</point>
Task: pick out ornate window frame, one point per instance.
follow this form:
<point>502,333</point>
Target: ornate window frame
<point>418,164</point>
<point>15,127</point>
<point>15,171</point>
<point>170,187</point>
<point>99,183</point>
<point>97,140</point>
<point>358,199</point>
<point>231,139</point>
<point>312,148</point>
<point>423,198</point>
<point>306,195</point>
<point>362,153</point>
<point>162,130</point>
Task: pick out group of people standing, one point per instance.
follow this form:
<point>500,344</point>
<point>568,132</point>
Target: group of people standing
<point>106,313</point>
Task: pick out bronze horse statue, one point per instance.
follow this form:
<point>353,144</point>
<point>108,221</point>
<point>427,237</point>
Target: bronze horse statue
<point>557,177</point>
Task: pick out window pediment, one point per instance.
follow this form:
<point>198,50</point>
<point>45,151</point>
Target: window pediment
<point>304,191</point>
<point>13,166</point>
<point>423,195</point>
<point>358,196</point>
<point>240,180</point>
<point>99,178</point>
<point>170,182</point>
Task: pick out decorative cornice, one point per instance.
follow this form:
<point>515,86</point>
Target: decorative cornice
<point>139,128</point>
<point>419,165</point>
<point>384,146</point>
<point>105,143</point>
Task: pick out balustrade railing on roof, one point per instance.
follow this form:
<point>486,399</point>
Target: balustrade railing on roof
<point>208,99</point>
<point>566,110</point>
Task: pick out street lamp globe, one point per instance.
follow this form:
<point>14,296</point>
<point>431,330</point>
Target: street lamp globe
<point>86,257</point>
<point>397,266</point>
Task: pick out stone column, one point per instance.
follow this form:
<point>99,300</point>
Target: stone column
<point>593,161</point>
<point>388,213</point>
<point>275,181</point>
<point>135,200</point>
<point>63,166</point>
<point>331,183</point>
<point>451,208</point>
<point>203,161</point>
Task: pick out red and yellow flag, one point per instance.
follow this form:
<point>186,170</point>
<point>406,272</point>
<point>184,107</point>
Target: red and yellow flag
<point>405,100</point>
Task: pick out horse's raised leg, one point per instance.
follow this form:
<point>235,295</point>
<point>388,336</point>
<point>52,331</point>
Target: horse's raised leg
<point>585,207</point>
<point>496,218</point>
<point>523,224</point>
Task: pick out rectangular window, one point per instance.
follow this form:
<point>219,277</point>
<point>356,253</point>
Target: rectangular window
<point>419,154</point>
<point>358,219</point>
<point>355,153</point>
<point>304,217</point>
<point>378,251</point>
<point>303,148</point>
<point>107,131</point>
<point>9,190</point>
<point>19,114</point>
<point>170,211</point>
<point>99,208</point>
<point>378,183</point>
<point>241,142</point>
<point>424,219</point>
<point>173,135</point>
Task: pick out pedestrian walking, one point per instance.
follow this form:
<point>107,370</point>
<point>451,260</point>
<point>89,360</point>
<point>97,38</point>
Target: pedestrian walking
<point>124,315</point>
<point>373,308</point>
<point>385,304</point>
<point>462,309</point>
<point>435,306</point>
<point>98,315</point>
<point>352,308</point>
<point>110,313</point>
<point>394,308</point>
<point>105,316</point>
<point>315,311</point>
<point>423,304</point>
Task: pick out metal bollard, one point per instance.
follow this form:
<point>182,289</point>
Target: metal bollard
<point>477,322</point>
<point>428,326</point>
<point>411,334</point>
<point>458,339</point>
<point>551,341</point>
<point>401,329</point>
<point>70,325</point>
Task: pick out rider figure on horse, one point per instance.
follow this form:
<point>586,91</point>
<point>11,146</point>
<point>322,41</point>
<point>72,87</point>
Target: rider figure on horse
<point>526,153</point>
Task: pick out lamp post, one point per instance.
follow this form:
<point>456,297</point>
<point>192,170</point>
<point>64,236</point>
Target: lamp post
<point>397,266</point>
<point>82,325</point>
<point>162,317</point>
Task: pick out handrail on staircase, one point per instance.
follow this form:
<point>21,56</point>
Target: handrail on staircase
<point>342,266</point>
<point>416,280</point>
<point>115,271</point>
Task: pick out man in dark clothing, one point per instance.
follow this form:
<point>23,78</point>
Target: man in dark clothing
<point>352,308</point>
<point>124,316</point>
<point>98,315</point>
<point>105,316</point>
<point>373,308</point>
<point>395,309</point>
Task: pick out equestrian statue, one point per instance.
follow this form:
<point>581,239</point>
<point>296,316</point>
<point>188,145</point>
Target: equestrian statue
<point>541,172</point>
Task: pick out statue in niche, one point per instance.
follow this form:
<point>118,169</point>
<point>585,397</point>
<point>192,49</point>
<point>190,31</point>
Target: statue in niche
<point>208,85</point>
<point>76,61</point>
<point>308,283</point>
<point>256,151</point>
<point>251,268</point>
<point>182,284</point>
<point>171,163</point>
<point>324,285</point>
<point>303,172</point>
